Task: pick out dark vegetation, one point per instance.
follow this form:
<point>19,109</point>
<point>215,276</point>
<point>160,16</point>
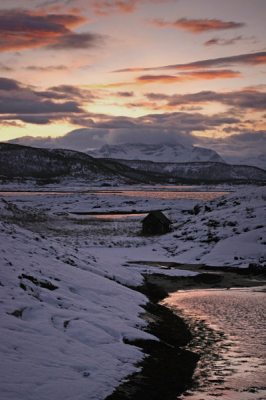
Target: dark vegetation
<point>49,166</point>
<point>200,172</point>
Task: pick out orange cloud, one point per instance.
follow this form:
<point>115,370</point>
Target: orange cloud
<point>157,78</point>
<point>21,29</point>
<point>103,8</point>
<point>189,76</point>
<point>198,25</point>
<point>107,8</point>
<point>167,79</point>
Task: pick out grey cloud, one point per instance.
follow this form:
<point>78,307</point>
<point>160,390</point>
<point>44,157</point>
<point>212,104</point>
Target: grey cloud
<point>9,84</point>
<point>66,92</point>
<point>242,59</point>
<point>77,41</point>
<point>78,139</point>
<point>237,146</point>
<point>18,106</point>
<point>5,68</point>
<point>227,42</point>
<point>253,99</point>
<point>232,148</point>
<point>125,94</point>
<point>178,121</point>
<point>46,69</point>
<point>30,106</point>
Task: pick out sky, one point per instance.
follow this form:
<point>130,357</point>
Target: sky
<point>79,74</point>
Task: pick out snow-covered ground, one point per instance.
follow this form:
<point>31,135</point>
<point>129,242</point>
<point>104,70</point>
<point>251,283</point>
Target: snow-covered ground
<point>67,300</point>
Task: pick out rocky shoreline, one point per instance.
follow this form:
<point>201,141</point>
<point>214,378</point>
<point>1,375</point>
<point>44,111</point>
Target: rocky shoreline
<point>167,370</point>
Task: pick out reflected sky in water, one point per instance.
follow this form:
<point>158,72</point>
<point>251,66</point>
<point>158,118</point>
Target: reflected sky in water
<point>230,335</point>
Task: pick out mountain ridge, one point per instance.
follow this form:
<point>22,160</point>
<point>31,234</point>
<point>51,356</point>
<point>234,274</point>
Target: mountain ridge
<point>157,153</point>
<point>59,165</point>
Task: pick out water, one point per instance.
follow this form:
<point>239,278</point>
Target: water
<point>30,193</point>
<point>229,332</point>
<point>157,193</point>
<point>114,216</point>
<point>168,195</point>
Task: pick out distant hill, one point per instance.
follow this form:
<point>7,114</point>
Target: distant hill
<point>18,161</point>
<point>157,153</point>
<point>58,166</point>
<point>196,172</point>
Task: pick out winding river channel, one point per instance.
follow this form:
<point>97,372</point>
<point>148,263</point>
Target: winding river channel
<point>229,332</point>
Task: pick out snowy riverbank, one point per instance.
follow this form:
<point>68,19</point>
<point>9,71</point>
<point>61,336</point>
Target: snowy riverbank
<point>68,311</point>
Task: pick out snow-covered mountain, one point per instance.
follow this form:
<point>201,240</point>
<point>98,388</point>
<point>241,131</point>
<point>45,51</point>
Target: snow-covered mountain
<point>157,153</point>
<point>259,161</point>
<point>49,166</point>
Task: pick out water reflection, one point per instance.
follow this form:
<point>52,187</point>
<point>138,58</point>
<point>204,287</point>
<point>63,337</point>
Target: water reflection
<point>167,195</point>
<point>156,193</point>
<point>114,216</point>
<point>229,332</point>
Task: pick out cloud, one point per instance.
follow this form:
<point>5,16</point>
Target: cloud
<point>197,26</point>
<point>78,139</point>
<point>74,41</point>
<point>232,147</point>
<point>251,59</point>
<point>125,94</point>
<point>178,121</point>
<point>5,68</point>
<point>64,92</point>
<point>226,42</point>
<point>190,76</point>
<point>182,77</point>
<point>243,99</point>
<point>23,103</point>
<point>13,106</point>
<point>101,8</point>
<point>87,138</point>
<point>9,84</point>
<point>49,68</point>
<point>238,146</point>
<point>20,30</point>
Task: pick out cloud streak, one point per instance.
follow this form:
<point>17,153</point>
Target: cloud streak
<point>190,76</point>
<point>228,42</point>
<point>201,75</point>
<point>250,59</point>
<point>198,26</point>
<point>49,68</point>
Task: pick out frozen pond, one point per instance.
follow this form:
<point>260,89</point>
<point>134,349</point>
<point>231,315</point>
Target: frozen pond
<point>229,332</point>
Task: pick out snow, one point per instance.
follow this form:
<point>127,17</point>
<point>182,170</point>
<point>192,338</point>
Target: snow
<point>156,152</point>
<point>229,230</point>
<point>259,161</point>
<point>67,282</point>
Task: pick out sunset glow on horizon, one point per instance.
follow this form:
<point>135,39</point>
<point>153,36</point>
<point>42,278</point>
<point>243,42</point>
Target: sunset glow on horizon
<point>190,69</point>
